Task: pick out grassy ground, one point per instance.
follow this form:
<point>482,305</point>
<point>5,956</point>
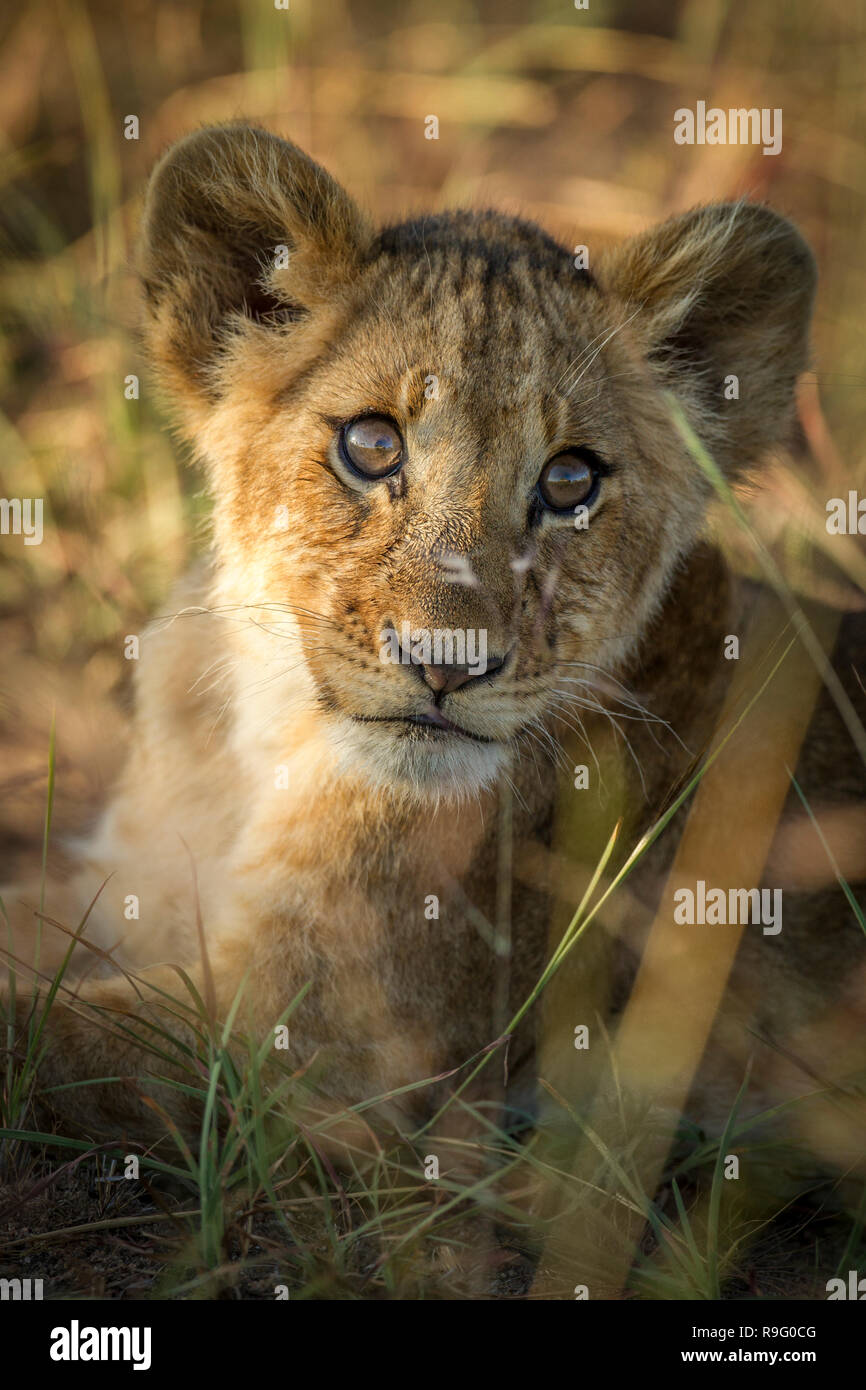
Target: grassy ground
<point>563,115</point>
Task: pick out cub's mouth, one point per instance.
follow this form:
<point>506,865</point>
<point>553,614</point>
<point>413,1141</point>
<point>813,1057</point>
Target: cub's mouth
<point>432,724</point>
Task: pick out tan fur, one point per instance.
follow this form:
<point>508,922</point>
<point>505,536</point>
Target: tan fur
<point>270,652</point>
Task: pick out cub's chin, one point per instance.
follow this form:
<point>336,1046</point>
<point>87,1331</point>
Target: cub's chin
<point>423,762</point>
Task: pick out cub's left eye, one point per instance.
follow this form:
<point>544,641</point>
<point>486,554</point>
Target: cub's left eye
<point>568,480</point>
<point>372,446</point>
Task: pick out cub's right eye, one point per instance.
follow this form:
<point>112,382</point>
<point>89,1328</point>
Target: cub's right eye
<point>372,446</point>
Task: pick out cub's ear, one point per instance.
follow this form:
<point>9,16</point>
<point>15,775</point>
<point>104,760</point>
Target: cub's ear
<point>219,205</point>
<point>723,291</point>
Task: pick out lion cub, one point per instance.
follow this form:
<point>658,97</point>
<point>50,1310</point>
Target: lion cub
<point>458,548</point>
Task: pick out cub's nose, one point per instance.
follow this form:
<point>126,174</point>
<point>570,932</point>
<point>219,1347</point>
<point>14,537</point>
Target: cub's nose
<point>444,679</point>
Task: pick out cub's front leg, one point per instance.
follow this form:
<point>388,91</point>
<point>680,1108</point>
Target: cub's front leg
<point>145,1041</point>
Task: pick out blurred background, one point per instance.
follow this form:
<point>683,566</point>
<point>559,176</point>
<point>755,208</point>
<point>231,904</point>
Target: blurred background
<point>562,114</point>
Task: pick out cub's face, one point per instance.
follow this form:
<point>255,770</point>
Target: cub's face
<point>447,488</point>
<point>464,458</point>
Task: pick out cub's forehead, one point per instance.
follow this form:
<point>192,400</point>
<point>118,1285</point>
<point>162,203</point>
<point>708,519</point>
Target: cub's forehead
<point>500,241</point>
<point>484,274</point>
<point>480,304</point>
